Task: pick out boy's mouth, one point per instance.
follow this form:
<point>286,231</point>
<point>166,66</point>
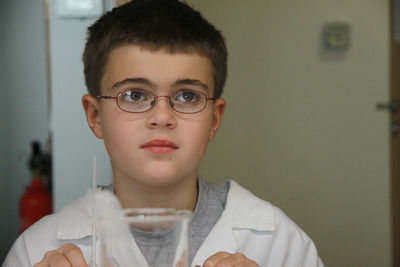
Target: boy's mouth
<point>159,146</point>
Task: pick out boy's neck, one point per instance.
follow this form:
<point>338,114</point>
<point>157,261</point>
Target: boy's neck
<point>180,195</point>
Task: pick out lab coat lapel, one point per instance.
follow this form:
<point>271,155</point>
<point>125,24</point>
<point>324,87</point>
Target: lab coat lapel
<point>242,211</point>
<point>220,238</point>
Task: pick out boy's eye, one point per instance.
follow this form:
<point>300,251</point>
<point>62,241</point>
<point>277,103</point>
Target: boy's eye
<point>187,96</point>
<point>135,96</point>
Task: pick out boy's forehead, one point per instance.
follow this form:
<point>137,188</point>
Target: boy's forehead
<point>134,64</point>
<point>149,49</point>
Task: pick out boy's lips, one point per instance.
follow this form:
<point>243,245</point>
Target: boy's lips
<point>159,146</point>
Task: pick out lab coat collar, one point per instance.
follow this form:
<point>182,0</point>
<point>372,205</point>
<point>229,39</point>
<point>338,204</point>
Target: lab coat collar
<point>75,219</point>
<point>245,211</point>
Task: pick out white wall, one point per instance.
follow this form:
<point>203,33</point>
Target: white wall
<point>301,129</point>
<point>23,106</point>
<point>73,143</point>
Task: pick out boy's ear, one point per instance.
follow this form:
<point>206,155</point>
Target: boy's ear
<point>91,107</point>
<point>218,113</point>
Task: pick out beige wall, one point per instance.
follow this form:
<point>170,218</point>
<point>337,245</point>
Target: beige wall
<point>301,129</point>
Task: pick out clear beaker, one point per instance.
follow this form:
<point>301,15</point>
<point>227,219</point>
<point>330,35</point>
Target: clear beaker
<point>153,237</point>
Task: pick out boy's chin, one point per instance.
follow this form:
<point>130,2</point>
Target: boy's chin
<point>163,178</point>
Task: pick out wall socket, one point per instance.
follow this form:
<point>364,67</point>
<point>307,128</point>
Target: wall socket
<point>336,36</point>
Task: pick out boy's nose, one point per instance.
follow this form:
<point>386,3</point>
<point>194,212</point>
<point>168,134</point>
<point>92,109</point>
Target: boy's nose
<point>161,115</point>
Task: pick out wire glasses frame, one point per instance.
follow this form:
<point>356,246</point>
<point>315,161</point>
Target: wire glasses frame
<point>140,101</point>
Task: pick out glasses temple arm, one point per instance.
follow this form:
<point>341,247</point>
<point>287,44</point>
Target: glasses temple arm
<point>106,97</point>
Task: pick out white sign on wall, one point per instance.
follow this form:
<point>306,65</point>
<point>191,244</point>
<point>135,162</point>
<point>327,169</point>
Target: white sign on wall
<point>79,8</point>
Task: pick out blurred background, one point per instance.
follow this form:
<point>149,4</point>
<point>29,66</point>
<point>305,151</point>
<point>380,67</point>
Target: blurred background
<point>301,130</point>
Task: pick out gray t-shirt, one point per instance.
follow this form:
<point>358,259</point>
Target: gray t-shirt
<point>158,248</point>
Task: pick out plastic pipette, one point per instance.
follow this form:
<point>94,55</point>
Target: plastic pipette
<point>94,189</point>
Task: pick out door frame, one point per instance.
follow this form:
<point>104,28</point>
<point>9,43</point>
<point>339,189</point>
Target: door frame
<point>395,139</point>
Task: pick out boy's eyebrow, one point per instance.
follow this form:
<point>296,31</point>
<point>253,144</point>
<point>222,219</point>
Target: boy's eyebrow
<point>132,80</point>
<point>191,82</point>
<point>148,83</point>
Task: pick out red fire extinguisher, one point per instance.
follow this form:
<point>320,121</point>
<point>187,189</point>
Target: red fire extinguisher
<point>36,201</point>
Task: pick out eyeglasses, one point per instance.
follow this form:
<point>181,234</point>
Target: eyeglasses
<point>138,100</point>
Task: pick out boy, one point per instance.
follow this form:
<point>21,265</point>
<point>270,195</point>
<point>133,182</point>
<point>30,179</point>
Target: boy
<point>155,70</point>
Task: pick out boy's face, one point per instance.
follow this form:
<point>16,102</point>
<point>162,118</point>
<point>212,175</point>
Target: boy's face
<point>159,147</point>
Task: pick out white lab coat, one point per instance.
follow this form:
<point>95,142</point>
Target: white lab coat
<point>248,225</point>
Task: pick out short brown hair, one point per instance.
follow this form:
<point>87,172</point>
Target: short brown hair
<point>154,25</point>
